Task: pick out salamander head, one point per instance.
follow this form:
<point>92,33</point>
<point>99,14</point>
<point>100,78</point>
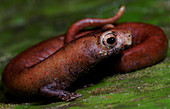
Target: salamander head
<point>114,41</point>
<point>102,43</point>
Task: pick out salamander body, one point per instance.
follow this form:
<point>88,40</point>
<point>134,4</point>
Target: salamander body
<point>51,66</point>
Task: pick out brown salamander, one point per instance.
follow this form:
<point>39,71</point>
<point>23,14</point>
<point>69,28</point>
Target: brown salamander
<point>49,67</point>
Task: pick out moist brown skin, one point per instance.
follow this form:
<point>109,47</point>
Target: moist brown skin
<point>149,46</point>
<point>29,75</point>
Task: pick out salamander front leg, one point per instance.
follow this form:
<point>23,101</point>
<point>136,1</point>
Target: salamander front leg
<point>51,91</point>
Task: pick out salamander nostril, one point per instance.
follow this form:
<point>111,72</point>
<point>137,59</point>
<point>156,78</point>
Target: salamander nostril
<point>111,40</point>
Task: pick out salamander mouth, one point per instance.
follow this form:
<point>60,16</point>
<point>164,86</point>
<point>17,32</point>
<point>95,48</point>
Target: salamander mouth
<point>125,47</point>
<point>117,50</point>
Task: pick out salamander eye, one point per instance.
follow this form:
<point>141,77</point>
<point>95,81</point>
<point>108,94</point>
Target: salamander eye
<point>108,39</point>
<point>111,40</point>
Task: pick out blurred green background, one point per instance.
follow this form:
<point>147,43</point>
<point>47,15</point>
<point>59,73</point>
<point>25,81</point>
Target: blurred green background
<point>26,22</point>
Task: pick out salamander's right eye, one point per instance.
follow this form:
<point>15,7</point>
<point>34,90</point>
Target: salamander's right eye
<point>108,39</point>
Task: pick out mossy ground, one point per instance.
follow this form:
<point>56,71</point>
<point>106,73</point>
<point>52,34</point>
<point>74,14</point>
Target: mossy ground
<point>25,23</point>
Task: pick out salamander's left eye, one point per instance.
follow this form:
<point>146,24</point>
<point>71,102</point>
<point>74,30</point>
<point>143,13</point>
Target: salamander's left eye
<point>108,39</point>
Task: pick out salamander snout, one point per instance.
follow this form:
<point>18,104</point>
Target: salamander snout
<point>124,39</point>
<point>128,38</point>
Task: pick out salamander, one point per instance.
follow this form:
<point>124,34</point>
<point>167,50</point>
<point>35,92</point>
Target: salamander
<point>50,67</point>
